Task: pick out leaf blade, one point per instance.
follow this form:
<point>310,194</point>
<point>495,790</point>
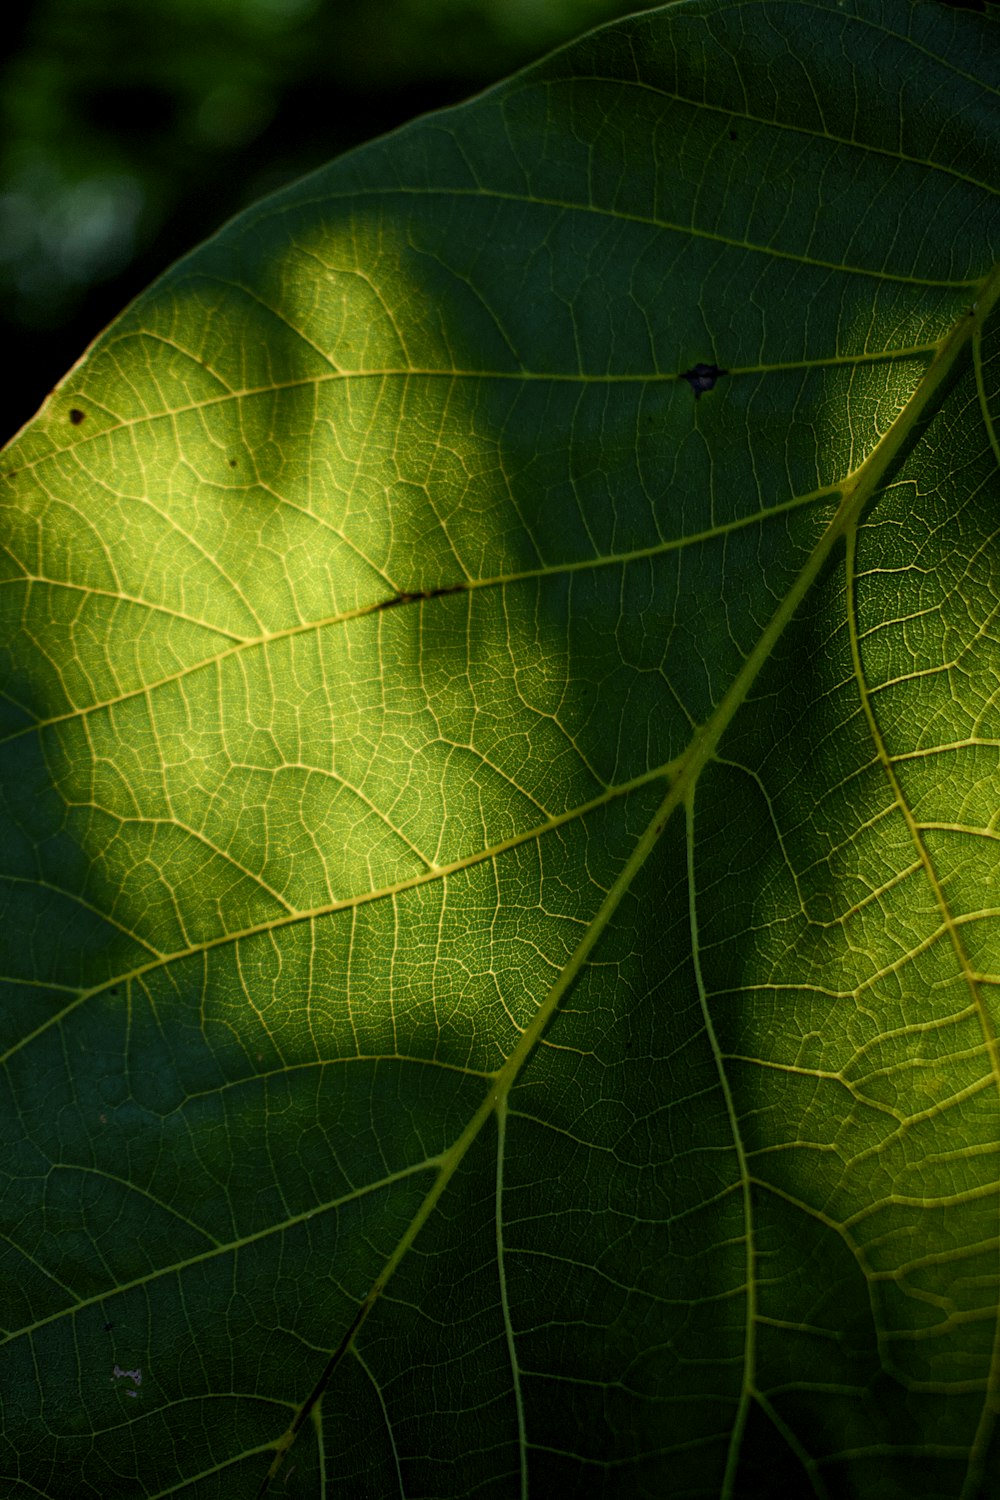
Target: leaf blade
<point>455,596</point>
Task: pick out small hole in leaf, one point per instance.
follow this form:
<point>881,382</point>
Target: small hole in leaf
<point>701,378</point>
<point>76,416</point>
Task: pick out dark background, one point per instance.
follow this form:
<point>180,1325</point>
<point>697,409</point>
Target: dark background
<point>131,129</point>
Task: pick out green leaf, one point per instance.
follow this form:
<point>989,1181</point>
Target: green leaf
<point>501,760</point>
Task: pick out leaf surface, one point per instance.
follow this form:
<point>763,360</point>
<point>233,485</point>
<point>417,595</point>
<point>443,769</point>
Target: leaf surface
<point>500,758</point>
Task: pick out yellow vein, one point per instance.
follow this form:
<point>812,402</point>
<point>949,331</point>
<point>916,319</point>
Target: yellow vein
<point>749,1363</point>
<point>968,329</point>
<point>425,596</point>
<point>991,1402</point>
<point>508,1325</point>
<point>116,597</point>
<point>348,903</point>
<point>691,231</point>
<point>415,372</point>
<point>230,1247</point>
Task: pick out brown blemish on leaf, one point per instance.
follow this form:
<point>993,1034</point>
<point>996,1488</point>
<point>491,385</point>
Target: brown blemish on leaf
<point>449,588</point>
<point>76,416</point>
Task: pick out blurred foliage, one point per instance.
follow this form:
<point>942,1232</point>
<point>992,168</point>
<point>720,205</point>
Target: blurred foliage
<point>133,128</point>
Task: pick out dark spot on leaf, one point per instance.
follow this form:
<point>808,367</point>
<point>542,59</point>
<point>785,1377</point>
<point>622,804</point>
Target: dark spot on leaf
<point>232,463</point>
<point>404,598</point>
<point>733,136</point>
<point>701,378</point>
<point>76,416</point>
